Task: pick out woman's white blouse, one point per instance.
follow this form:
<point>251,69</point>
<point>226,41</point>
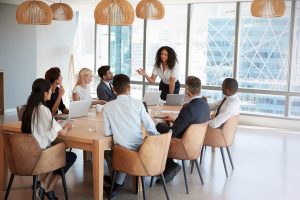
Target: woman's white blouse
<point>41,126</point>
<point>165,76</point>
<point>83,93</point>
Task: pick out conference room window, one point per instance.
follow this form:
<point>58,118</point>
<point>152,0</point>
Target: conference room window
<point>263,57</point>
<point>211,49</point>
<point>102,46</point>
<point>170,31</point>
<point>84,41</point>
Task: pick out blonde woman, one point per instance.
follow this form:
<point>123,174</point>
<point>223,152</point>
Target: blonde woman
<point>81,90</point>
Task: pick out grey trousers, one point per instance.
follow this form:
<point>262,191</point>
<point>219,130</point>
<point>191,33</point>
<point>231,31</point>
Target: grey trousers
<point>120,177</point>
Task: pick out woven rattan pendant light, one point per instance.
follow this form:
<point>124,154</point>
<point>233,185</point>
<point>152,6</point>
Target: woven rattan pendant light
<point>34,12</point>
<point>62,12</point>
<point>268,8</point>
<point>150,9</point>
<point>114,12</point>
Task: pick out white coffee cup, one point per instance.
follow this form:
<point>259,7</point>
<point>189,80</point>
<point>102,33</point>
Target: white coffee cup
<point>99,107</point>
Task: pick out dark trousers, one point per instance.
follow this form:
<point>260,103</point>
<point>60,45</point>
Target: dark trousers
<point>70,159</point>
<point>165,89</point>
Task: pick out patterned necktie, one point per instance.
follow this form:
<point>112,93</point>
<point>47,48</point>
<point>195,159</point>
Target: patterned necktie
<point>111,88</point>
<point>218,110</point>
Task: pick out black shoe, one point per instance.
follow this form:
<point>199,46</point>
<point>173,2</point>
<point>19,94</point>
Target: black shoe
<point>107,179</point>
<point>51,195</point>
<point>170,174</point>
<point>115,188</point>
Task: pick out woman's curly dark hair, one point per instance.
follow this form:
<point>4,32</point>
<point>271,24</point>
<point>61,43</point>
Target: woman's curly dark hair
<point>172,57</point>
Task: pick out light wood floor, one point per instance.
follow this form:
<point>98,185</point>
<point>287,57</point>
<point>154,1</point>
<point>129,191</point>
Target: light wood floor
<point>267,163</point>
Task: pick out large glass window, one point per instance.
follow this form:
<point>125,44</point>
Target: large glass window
<point>295,76</point>
<point>263,50</point>
<point>212,42</point>
<point>126,49</point>
<point>102,46</point>
<point>170,31</point>
<point>84,45</point>
<point>294,111</point>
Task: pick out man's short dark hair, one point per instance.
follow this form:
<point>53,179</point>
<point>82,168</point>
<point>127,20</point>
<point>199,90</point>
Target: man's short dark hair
<point>120,83</point>
<point>231,84</point>
<point>102,70</point>
<point>52,74</point>
<point>193,84</point>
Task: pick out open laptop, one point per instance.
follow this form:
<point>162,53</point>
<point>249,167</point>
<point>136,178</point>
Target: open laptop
<point>174,99</point>
<point>79,109</point>
<point>152,98</point>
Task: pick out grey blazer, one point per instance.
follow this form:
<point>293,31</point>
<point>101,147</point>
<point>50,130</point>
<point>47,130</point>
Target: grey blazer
<point>104,92</point>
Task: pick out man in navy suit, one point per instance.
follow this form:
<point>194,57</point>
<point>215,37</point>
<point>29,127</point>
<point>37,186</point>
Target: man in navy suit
<point>104,89</point>
<point>195,112</point>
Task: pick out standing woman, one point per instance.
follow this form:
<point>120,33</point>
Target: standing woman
<point>165,67</point>
<point>38,121</point>
<point>81,90</point>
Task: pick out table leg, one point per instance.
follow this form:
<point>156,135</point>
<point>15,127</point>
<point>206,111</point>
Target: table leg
<point>3,166</point>
<point>98,169</point>
<point>134,185</point>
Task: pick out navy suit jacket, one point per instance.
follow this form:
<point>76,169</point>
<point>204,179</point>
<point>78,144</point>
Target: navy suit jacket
<point>104,92</point>
<point>195,112</point>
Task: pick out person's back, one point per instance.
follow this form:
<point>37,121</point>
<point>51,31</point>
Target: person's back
<point>123,118</point>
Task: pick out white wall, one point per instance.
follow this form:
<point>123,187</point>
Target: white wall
<point>27,51</point>
<point>17,57</point>
<point>54,47</point>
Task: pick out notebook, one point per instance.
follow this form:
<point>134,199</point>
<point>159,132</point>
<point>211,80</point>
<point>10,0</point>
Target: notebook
<point>152,98</point>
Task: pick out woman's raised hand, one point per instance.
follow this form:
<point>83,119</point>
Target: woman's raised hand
<point>141,72</point>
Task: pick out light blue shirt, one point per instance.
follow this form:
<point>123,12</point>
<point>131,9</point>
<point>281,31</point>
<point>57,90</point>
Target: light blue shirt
<point>123,118</point>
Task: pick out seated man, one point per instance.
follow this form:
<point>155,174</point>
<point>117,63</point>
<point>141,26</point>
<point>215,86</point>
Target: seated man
<point>104,89</point>
<point>122,119</point>
<point>228,106</point>
<point>194,112</point>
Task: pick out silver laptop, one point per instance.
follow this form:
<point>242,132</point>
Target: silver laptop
<point>79,109</point>
<point>174,99</point>
<point>152,98</point>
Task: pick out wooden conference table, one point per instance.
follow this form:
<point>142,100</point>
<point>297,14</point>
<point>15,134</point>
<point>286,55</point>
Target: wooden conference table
<point>80,137</point>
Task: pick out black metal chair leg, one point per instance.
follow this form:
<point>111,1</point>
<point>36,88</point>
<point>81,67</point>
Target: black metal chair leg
<point>198,169</point>
<point>151,182</point>
<point>64,183</point>
<point>11,180</point>
<point>184,173</point>
<point>201,154</point>
<point>112,184</point>
<point>136,185</point>
<point>192,165</point>
<point>143,186</point>
<point>164,184</point>
<point>34,187</point>
<point>230,159</point>
<point>224,162</point>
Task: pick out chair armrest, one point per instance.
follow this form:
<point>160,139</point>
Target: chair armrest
<point>51,159</point>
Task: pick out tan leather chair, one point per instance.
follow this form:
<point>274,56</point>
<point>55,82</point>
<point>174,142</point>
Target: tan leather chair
<point>187,147</point>
<point>20,111</point>
<point>26,158</point>
<point>149,160</point>
<point>222,137</point>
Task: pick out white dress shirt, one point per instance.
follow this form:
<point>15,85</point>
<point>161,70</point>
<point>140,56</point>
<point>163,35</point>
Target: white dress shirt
<point>123,118</point>
<point>229,108</point>
<point>83,93</point>
<point>41,127</point>
<point>165,75</point>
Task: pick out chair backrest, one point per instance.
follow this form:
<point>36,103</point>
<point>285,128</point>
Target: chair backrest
<point>229,129</point>
<point>222,137</point>
<point>193,138</point>
<point>20,111</point>
<point>22,152</point>
<point>154,151</point>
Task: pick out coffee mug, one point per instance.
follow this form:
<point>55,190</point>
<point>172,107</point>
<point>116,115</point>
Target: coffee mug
<point>99,107</point>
